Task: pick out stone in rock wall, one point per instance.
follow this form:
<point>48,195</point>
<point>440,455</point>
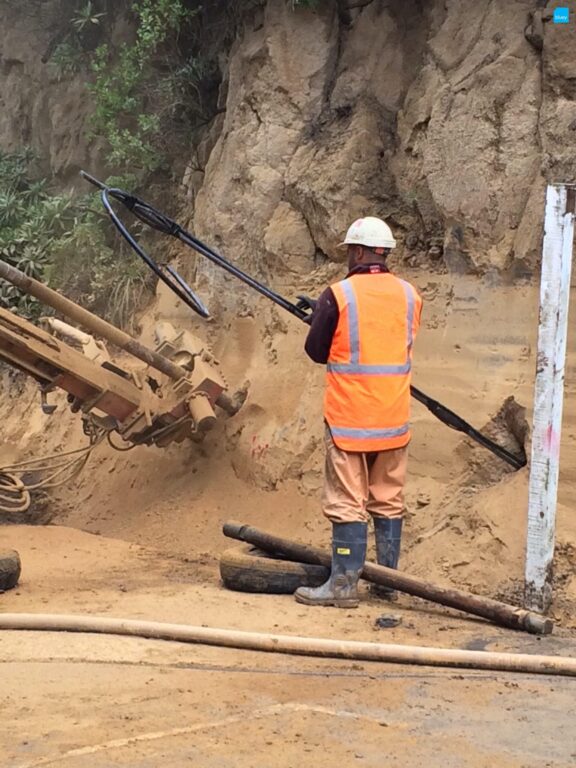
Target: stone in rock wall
<point>288,239</point>
<point>558,114</point>
<point>469,130</point>
<point>276,85</point>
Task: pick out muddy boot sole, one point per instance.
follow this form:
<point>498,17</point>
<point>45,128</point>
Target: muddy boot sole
<point>343,602</point>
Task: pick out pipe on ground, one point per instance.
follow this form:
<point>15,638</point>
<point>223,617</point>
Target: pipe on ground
<point>493,610</point>
<point>302,646</point>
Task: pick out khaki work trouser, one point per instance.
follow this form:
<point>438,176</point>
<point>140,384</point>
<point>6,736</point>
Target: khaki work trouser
<point>360,485</point>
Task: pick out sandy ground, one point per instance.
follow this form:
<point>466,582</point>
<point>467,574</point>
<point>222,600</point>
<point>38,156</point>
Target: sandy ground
<point>91,701</point>
<point>138,535</point>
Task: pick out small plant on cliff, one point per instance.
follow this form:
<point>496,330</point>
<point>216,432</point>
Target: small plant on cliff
<point>67,59</point>
<point>67,51</point>
<point>85,17</point>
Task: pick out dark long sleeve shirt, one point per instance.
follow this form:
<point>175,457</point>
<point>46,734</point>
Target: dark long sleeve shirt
<point>326,315</point>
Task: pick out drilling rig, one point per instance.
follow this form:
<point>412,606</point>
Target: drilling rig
<point>176,396</point>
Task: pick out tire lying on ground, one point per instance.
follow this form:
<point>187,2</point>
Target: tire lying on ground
<point>10,568</point>
<point>249,569</point>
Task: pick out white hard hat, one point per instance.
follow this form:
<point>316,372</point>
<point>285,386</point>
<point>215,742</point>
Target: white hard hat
<point>371,232</point>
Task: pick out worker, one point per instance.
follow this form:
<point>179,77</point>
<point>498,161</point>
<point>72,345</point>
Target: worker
<point>363,329</point>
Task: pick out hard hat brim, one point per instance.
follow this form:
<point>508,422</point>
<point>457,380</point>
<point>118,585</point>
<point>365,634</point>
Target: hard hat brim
<point>390,247</point>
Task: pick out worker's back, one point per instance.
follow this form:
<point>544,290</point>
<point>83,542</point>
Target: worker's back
<point>367,403</point>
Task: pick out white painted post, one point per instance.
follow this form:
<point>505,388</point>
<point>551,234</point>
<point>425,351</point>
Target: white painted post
<point>548,394</point>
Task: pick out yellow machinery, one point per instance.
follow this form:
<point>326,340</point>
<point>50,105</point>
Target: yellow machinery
<point>173,398</point>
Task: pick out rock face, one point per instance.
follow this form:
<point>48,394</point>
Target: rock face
<point>37,109</point>
<point>444,117</point>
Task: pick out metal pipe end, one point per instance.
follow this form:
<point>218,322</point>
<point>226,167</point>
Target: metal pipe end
<point>537,624</point>
<point>234,530</point>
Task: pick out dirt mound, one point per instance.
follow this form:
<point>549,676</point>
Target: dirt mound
<point>509,429</point>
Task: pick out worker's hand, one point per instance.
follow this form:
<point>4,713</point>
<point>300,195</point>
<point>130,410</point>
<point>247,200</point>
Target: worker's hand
<point>308,304</point>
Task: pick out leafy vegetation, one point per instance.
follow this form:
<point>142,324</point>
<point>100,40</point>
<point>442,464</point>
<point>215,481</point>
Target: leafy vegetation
<point>69,55</point>
<point>63,241</point>
<point>148,94</point>
<point>125,85</point>
<point>139,87</point>
<point>67,58</point>
<point>31,221</point>
<point>141,91</point>
<point>151,90</point>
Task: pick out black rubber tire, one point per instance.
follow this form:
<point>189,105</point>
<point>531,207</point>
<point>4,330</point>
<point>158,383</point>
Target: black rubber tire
<point>10,568</point>
<point>249,569</point>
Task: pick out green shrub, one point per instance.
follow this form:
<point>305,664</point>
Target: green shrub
<point>79,37</point>
<point>64,242</point>
<point>32,221</point>
<point>147,96</point>
<point>67,59</point>
<point>123,84</point>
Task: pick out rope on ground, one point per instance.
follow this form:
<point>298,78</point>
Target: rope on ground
<point>18,480</point>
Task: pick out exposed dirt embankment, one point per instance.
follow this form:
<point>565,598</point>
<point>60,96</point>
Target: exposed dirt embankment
<point>442,117</point>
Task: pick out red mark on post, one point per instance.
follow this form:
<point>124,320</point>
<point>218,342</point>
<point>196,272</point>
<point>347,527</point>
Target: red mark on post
<point>552,442</point>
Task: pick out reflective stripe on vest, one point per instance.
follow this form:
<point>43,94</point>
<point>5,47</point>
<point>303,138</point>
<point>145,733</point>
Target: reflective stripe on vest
<point>369,434</point>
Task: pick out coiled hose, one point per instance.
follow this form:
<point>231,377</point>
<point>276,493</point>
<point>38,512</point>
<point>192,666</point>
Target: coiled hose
<point>18,480</point>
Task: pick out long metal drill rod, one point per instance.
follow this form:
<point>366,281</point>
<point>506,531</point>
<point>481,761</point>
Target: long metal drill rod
<point>492,610</point>
<point>90,321</point>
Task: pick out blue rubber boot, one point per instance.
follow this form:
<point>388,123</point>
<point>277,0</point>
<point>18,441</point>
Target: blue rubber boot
<point>348,556</point>
<point>388,534</point>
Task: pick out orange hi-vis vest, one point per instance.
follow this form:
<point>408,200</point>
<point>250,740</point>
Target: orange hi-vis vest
<point>367,401</point>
